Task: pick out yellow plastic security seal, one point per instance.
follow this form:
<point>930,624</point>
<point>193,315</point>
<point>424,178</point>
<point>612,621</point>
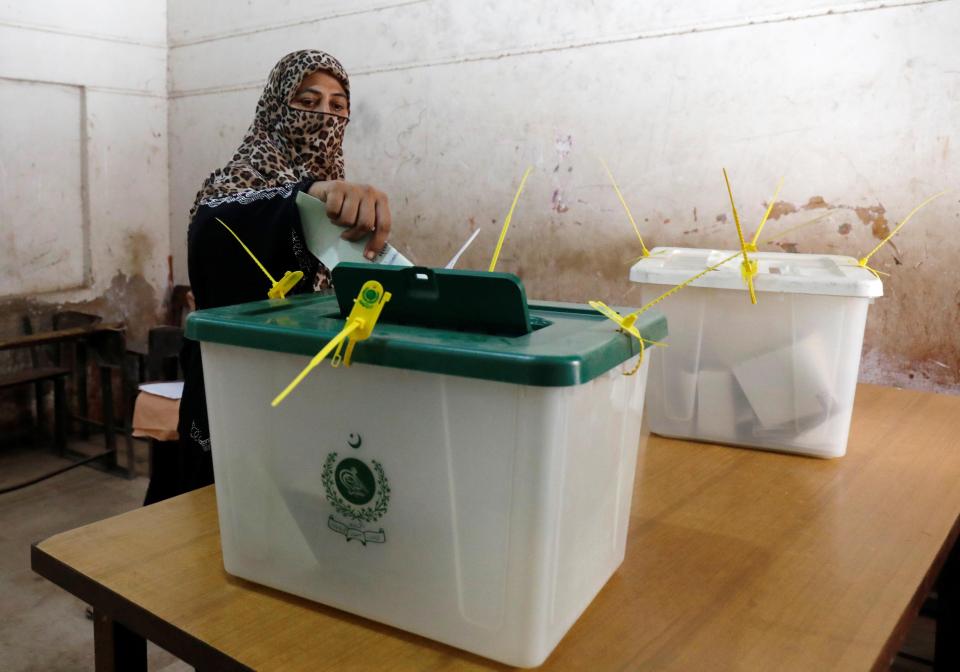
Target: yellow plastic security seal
<point>278,290</point>
<point>366,311</point>
<point>506,222</point>
<point>627,322</point>
<point>360,323</point>
<point>623,202</point>
<point>863,262</point>
<point>752,245</point>
<point>748,269</point>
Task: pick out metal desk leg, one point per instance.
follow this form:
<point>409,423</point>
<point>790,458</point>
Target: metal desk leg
<point>83,409</point>
<point>41,411</point>
<point>106,391</point>
<point>60,417</point>
<point>117,649</point>
<point>947,650</point>
<point>129,382</point>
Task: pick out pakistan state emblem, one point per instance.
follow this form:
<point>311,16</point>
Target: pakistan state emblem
<point>358,492</point>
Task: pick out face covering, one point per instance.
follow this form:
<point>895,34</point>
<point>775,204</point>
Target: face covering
<point>283,145</point>
<point>313,138</point>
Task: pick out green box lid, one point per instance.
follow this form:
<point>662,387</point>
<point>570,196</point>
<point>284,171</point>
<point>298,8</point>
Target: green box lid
<point>568,344</point>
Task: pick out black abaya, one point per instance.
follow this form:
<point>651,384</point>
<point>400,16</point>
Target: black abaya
<point>223,274</point>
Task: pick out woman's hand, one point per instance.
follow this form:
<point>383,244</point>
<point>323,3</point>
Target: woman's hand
<point>360,208</point>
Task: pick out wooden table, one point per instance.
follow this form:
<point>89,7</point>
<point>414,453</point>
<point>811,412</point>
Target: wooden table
<point>59,336</point>
<point>737,559</point>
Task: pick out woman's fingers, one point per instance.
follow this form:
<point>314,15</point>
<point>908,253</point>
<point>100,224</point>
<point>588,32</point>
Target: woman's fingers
<point>367,216</point>
<point>365,219</point>
<point>330,192</point>
<point>348,214</point>
<point>334,199</point>
<point>359,208</point>
<point>382,232</point>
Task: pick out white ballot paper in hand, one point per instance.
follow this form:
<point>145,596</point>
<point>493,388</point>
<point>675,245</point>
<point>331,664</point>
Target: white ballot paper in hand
<point>324,241</point>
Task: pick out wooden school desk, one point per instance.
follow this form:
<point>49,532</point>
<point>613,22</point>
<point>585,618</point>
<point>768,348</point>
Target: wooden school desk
<point>737,559</point>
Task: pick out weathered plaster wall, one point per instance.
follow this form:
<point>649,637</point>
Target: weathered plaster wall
<point>856,104</point>
<point>84,193</point>
<point>114,61</point>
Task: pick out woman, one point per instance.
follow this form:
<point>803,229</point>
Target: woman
<point>293,145</point>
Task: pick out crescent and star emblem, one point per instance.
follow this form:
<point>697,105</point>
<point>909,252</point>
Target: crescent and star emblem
<point>354,441</point>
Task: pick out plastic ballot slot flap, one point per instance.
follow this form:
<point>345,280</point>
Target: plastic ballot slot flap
<point>444,299</point>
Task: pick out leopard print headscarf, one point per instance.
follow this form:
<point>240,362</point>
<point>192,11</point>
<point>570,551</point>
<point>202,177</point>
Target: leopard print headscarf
<point>284,145</point>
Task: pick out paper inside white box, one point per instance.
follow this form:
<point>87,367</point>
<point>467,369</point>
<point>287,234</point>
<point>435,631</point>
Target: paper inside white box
<point>787,384</point>
<point>719,403</point>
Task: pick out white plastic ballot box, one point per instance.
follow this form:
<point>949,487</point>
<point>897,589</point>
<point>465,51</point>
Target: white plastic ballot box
<point>780,374</point>
<point>468,478</point>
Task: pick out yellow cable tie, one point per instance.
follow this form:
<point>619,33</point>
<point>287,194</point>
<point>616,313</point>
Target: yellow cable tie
<point>733,206</point>
<point>623,202</point>
<point>633,371</point>
<point>864,260</point>
<point>360,323</point>
<point>643,341</point>
<point>247,249</point>
<point>286,283</point>
<point>862,263</point>
<point>627,322</point>
<point>782,234</point>
<point>752,245</point>
<point>506,222</point>
<point>748,269</point>
<point>278,290</point>
<point>648,256</point>
<point>677,288</point>
<point>315,362</point>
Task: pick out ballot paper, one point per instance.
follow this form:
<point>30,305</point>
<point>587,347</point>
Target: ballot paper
<point>463,248</point>
<point>788,384</point>
<point>720,403</point>
<point>324,241</point>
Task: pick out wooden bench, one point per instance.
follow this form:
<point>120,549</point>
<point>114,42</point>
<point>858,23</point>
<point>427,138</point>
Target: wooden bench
<point>37,377</point>
<point>80,329</point>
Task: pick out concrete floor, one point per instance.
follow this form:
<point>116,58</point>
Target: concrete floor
<point>44,629</point>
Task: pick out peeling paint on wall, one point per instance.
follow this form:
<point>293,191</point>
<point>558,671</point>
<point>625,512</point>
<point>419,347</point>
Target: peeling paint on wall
<point>781,208</point>
<point>130,300</point>
<point>556,202</point>
<point>875,216</point>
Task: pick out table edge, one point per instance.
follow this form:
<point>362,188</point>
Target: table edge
<point>187,647</point>
<point>197,652</point>
<point>912,610</point>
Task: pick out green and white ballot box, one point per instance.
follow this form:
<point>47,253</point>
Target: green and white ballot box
<point>468,478</point>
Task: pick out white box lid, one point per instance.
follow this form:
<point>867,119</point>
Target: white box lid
<point>783,272</point>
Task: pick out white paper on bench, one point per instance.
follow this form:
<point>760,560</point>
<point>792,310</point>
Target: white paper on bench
<point>172,390</point>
